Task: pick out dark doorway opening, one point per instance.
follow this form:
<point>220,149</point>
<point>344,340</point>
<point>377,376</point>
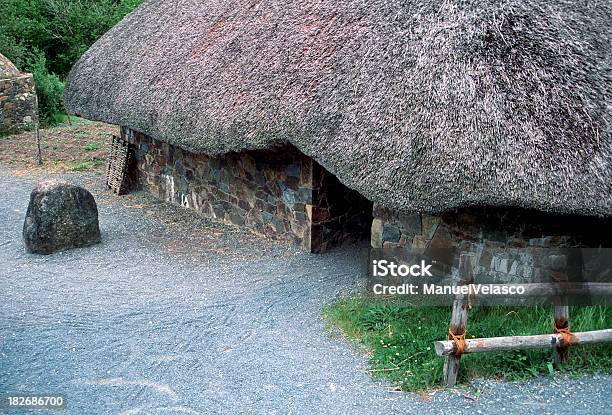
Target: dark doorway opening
<point>339,214</point>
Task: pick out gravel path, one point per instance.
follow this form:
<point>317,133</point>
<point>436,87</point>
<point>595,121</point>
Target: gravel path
<point>172,314</point>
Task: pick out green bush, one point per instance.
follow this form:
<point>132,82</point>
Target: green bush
<point>46,37</point>
<point>13,50</point>
<point>50,91</point>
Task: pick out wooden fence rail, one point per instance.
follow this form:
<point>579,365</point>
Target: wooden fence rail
<point>560,340</point>
<point>541,341</point>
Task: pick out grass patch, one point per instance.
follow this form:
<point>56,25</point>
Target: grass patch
<point>400,340</point>
<point>92,146</point>
<point>86,165</point>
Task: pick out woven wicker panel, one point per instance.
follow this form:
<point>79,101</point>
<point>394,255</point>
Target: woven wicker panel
<point>119,160</point>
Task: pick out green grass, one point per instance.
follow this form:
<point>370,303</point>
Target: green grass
<point>66,120</point>
<point>400,340</point>
<point>92,146</point>
<point>86,165</point>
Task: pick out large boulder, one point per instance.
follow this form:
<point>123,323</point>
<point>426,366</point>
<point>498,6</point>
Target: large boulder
<point>60,215</point>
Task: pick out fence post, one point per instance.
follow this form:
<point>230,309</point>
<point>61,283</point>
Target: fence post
<point>561,322</point>
<point>458,323</point>
<point>559,277</point>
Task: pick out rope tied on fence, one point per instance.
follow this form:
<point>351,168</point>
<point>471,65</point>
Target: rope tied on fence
<point>459,340</point>
<point>566,334</point>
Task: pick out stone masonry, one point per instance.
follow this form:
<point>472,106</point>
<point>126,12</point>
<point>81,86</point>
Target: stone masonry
<point>506,241</point>
<point>279,192</point>
<point>18,104</point>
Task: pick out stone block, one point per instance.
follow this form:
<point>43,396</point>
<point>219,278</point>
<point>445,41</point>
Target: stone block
<point>502,265</point>
<point>300,217</point>
<point>376,239</point>
<point>305,195</point>
<point>442,238</point>
<point>60,215</point>
<point>390,233</point>
<point>236,216</point>
<point>308,209</point>
<point>430,225</point>
<point>278,225</point>
<point>419,243</point>
<point>485,258</point>
<point>384,214</point>
<point>410,224</point>
<point>557,262</point>
<point>288,197</point>
<point>293,170</point>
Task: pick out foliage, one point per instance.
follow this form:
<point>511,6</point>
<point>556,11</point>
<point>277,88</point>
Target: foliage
<point>50,90</point>
<point>46,37</point>
<point>92,146</point>
<point>400,340</point>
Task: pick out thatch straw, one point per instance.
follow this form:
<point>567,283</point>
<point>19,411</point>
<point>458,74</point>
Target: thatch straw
<point>418,105</point>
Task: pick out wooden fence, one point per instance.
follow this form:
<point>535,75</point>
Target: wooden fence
<point>560,340</point>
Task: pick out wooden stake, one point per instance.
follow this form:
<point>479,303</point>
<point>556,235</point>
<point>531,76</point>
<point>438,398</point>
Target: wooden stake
<point>458,322</point>
<point>39,156</point>
<point>561,310</point>
<point>561,322</point>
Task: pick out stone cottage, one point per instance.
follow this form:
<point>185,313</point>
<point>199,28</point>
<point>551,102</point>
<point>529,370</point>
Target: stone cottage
<point>420,124</point>
<point>18,104</point>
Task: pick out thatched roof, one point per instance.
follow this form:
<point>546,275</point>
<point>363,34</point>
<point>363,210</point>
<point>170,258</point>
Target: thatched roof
<point>418,105</point>
<point>7,69</point>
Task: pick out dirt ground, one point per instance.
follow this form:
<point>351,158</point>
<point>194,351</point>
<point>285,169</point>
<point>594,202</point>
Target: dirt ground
<point>80,146</point>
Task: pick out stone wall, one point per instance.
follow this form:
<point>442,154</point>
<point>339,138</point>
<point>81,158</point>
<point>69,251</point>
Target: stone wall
<point>279,192</point>
<point>18,105</point>
<point>505,240</point>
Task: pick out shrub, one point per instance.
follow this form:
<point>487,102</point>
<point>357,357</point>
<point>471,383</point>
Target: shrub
<point>46,37</point>
<point>50,91</point>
